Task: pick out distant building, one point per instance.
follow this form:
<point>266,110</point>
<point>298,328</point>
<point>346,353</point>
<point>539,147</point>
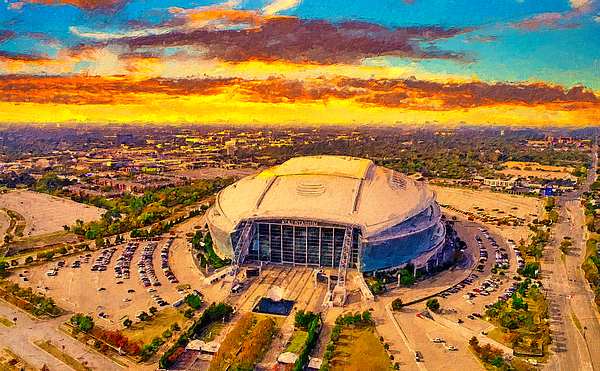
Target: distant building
<point>561,140</point>
<point>125,138</point>
<point>510,183</point>
<point>230,146</point>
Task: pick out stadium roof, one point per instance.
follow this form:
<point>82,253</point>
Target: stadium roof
<point>340,190</point>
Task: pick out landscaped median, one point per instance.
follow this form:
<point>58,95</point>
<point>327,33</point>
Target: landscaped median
<point>62,356</point>
<point>591,266</point>
<point>522,321</point>
<point>9,360</point>
<point>25,299</point>
<point>493,359</point>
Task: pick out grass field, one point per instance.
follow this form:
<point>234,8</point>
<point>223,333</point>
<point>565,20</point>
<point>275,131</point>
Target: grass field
<point>296,342</point>
<point>63,357</point>
<point>359,349</point>
<point>154,326</point>
<point>213,330</point>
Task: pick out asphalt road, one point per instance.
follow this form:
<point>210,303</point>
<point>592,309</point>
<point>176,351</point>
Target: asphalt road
<point>568,290</point>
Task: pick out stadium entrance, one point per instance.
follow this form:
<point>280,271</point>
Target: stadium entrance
<point>299,242</point>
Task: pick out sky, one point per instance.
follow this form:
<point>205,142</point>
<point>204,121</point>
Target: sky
<point>510,62</point>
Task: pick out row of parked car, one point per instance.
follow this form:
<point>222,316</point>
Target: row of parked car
<point>517,252</point>
<point>483,254</point>
<point>146,268</point>
<point>159,300</point>
<point>164,261</point>
<point>499,252</point>
<point>103,260</point>
<point>459,286</point>
<point>509,292</point>
<point>124,262</point>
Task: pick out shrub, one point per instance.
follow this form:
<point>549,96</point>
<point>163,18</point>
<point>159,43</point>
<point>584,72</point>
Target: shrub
<point>433,305</point>
<point>397,304</point>
<point>193,301</point>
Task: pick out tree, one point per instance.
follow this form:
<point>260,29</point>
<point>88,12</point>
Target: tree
<point>14,262</point>
<point>127,322</point>
<point>100,242</point>
<point>366,316</point>
<point>152,310</point>
<point>3,266</point>
<point>83,322</point>
<point>29,260</point>
<point>142,316</point>
<point>6,239</point>
<point>433,305</point>
<point>193,301</point>
<point>397,304</point>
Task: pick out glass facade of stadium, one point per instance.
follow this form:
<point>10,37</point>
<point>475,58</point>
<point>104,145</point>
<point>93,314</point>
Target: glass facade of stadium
<point>300,242</point>
<point>310,243</point>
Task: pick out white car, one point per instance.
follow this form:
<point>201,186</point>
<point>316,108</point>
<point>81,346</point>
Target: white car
<point>450,347</point>
<point>127,299</point>
<point>438,340</point>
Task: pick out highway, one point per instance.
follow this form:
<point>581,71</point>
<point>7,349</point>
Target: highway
<point>568,292</point>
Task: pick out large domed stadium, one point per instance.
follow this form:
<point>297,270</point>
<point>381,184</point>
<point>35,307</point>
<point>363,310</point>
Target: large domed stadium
<point>322,210</point>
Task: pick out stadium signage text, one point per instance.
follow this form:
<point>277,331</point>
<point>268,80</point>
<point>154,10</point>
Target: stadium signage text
<point>299,222</point>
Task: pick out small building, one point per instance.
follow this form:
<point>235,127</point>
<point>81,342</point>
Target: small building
<point>287,358</point>
<point>314,364</point>
<point>510,183</point>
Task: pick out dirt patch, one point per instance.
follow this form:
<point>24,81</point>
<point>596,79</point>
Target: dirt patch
<point>44,214</point>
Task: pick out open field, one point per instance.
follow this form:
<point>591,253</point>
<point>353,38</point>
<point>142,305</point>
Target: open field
<point>359,350</point>
<point>44,213</point>
<point>495,204</point>
<point>154,326</point>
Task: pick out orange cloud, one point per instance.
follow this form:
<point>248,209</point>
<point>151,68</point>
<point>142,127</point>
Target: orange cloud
<point>200,17</point>
<point>389,93</point>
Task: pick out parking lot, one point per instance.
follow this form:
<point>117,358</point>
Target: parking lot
<point>462,304</point>
<point>116,282</point>
<point>442,348</point>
